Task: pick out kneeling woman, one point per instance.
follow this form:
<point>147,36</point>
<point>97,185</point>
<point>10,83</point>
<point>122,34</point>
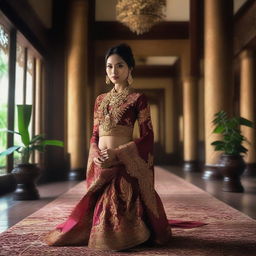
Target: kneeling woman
<point>120,209</point>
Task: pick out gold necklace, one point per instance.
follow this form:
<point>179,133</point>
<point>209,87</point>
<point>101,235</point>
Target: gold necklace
<point>110,106</point>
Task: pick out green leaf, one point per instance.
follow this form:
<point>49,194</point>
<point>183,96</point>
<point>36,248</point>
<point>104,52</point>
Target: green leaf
<point>10,150</point>
<point>58,143</point>
<point>10,131</point>
<point>219,129</point>
<point>217,142</point>
<point>37,138</point>
<point>243,149</point>
<point>245,122</point>
<point>24,115</point>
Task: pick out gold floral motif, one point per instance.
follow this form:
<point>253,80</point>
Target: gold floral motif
<point>126,192</point>
<point>114,231</point>
<point>112,108</point>
<point>138,168</point>
<point>118,130</point>
<point>92,154</point>
<point>144,115</point>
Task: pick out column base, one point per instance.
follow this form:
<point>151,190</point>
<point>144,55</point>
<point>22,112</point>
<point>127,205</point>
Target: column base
<point>77,174</point>
<point>191,166</point>
<point>250,170</point>
<point>211,172</point>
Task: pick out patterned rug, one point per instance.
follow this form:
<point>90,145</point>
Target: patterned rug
<point>228,233</point>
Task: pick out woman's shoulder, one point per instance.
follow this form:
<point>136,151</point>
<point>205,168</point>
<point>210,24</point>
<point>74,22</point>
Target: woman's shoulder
<point>141,96</point>
<point>137,93</point>
<point>100,97</point>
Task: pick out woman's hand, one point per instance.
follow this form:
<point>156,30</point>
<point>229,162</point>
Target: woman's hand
<point>106,158</point>
<point>98,160</point>
<point>108,154</point>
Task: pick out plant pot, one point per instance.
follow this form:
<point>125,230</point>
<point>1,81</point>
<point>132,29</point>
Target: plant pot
<point>26,176</point>
<point>232,167</point>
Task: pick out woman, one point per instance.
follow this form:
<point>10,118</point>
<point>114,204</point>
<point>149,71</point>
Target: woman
<point>120,209</point>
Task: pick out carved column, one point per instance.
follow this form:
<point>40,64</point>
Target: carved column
<point>248,107</point>
<point>76,87</point>
<point>218,66</point>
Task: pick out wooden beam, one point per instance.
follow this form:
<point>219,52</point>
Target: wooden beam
<point>154,71</point>
<point>244,27</point>
<point>112,30</point>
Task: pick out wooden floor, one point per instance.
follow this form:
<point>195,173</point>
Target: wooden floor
<point>12,212</point>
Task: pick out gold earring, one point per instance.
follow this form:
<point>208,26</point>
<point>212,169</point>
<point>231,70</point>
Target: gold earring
<point>107,80</point>
<point>130,79</point>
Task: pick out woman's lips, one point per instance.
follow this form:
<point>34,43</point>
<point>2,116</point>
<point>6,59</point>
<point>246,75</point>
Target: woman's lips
<point>115,77</point>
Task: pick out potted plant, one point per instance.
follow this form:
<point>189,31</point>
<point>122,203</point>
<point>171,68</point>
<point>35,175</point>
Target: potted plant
<point>26,173</point>
<point>231,163</point>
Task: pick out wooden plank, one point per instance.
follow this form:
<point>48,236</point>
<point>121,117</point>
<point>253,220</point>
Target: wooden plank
<point>112,30</point>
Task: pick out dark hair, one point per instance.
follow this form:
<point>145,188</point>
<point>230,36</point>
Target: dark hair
<point>124,51</point>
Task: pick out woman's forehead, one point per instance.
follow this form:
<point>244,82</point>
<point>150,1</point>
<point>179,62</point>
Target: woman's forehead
<point>115,59</point>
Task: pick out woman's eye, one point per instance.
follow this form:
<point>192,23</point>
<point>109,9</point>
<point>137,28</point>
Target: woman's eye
<point>120,66</point>
<point>109,66</point>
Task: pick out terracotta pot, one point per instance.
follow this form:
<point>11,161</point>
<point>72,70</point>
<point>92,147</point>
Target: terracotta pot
<point>232,167</point>
<point>26,176</point>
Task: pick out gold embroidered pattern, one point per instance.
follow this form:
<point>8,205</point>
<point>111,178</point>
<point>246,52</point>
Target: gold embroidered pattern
<point>117,230</point>
<point>126,192</point>
<point>144,115</point>
<point>111,111</point>
<point>139,169</point>
<point>119,130</point>
<point>92,153</point>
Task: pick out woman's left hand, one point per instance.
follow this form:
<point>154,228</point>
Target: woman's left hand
<point>108,154</point>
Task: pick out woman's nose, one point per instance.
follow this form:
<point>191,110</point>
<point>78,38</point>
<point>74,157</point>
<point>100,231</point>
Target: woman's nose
<point>115,70</point>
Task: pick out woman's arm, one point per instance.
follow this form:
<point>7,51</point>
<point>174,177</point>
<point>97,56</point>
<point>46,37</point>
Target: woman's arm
<point>143,146</point>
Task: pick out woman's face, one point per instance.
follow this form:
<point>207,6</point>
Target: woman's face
<point>117,69</point>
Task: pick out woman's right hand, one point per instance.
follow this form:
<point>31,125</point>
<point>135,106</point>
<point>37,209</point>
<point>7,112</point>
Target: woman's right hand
<point>99,160</point>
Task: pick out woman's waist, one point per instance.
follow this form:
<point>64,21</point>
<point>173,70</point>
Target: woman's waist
<point>109,141</point>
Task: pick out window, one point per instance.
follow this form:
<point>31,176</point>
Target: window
<point>21,85</point>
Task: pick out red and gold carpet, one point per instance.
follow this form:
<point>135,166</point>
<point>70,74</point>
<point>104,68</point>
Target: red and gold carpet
<point>228,233</point>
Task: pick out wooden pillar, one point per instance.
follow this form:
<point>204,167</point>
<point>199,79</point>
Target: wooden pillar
<point>218,66</point>
<point>76,87</point>
<point>190,90</point>
<point>190,115</point>
<point>248,107</point>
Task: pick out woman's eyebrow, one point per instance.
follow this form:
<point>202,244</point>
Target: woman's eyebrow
<point>116,63</point>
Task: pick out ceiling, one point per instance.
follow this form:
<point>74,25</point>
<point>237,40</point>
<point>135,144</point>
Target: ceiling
<point>176,10</point>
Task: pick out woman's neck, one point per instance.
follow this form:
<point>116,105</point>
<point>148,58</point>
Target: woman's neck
<point>120,87</point>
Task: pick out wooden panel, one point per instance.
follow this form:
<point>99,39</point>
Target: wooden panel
<point>112,30</point>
